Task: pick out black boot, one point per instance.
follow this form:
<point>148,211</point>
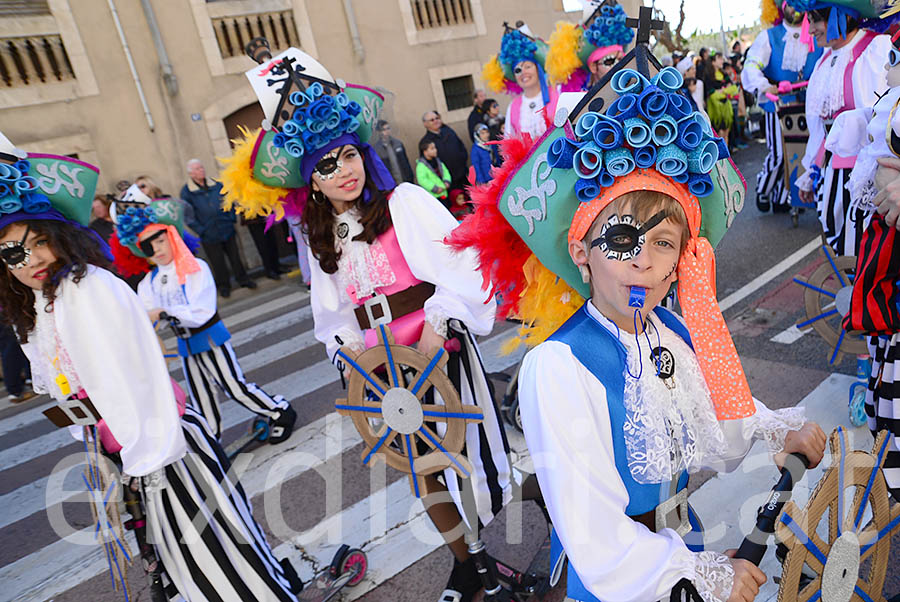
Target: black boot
<point>464,579</point>
<point>280,428</point>
<point>291,575</point>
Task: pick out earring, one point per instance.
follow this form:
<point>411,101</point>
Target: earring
<point>318,198</point>
<point>585,273</point>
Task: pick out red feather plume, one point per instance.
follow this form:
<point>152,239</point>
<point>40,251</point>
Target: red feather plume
<point>501,252</point>
<point>126,263</point>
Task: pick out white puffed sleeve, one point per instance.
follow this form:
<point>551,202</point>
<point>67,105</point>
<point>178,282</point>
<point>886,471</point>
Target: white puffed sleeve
<point>848,133</point>
<point>758,56</point>
<point>115,352</point>
<point>332,312</point>
<point>570,440</point>
<point>869,74</point>
<point>421,224</point>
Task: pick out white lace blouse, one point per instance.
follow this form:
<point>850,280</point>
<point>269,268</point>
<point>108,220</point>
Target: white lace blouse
<point>567,427</point>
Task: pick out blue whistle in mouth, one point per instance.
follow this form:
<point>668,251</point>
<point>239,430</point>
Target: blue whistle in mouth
<point>636,296</point>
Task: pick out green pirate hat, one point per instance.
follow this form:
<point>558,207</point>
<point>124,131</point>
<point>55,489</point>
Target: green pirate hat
<point>33,183</point>
<point>132,221</point>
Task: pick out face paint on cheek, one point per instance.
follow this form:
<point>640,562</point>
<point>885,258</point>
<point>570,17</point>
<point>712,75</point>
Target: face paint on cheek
<point>672,271</point>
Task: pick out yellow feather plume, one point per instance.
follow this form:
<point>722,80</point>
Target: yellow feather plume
<point>562,58</point>
<point>769,12</point>
<point>492,74</point>
<point>546,303</point>
<point>248,196</point>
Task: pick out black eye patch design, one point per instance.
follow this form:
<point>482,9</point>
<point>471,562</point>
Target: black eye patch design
<point>14,253</point>
<point>146,245</point>
<point>622,238</point>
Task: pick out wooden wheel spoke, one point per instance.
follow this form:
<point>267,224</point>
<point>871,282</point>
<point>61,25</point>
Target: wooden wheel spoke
<point>378,386</point>
<point>812,542</point>
<point>812,592</point>
<point>392,368</point>
<point>385,439</point>
<point>410,451</point>
<point>423,376</point>
<point>432,440</point>
<point>822,291</point>
<point>439,413</point>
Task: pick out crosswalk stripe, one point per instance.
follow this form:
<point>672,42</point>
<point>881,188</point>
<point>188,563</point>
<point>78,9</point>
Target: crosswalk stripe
<point>31,497</point>
<point>58,438</point>
<point>309,447</point>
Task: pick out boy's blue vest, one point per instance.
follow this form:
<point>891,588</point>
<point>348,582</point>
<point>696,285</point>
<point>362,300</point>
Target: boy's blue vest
<point>199,342</point>
<point>604,356</point>
<point>776,74</point>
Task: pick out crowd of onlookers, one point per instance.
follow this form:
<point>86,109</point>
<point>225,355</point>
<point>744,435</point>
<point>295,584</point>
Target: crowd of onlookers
<point>712,82</point>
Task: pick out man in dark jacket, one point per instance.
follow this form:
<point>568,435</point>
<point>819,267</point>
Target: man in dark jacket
<point>392,153</point>
<point>478,114</point>
<point>451,150</point>
<point>215,228</point>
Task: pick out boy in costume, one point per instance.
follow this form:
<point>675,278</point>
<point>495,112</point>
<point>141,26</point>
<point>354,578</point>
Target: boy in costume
<point>182,286</point>
<point>854,56</point>
<point>777,54</point>
<point>630,203</point>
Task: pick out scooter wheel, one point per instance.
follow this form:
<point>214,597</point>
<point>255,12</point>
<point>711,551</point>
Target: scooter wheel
<point>260,426</point>
<point>355,559</point>
<point>514,416</point>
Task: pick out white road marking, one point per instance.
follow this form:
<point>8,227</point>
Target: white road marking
<point>769,275</point>
<point>789,335</point>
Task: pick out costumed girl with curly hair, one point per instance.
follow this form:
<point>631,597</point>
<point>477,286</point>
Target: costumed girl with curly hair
<point>376,250</point>
<point>93,350</point>
<point>621,398</point>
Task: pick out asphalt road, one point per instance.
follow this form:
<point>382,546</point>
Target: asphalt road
<point>330,487</point>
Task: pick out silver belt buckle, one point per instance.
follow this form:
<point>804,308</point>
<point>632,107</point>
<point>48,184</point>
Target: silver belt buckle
<point>378,300</point>
<point>666,517</point>
<point>70,405</point>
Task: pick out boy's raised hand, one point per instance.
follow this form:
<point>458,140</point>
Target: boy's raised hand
<point>747,579</point>
<point>810,441</point>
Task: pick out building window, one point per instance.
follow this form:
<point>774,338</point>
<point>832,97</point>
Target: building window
<point>233,33</point>
<point>440,13</point>
<point>458,92</point>
<point>23,8</point>
<point>30,60</point>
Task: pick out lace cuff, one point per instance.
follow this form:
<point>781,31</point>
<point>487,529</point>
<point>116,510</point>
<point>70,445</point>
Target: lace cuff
<point>774,425</point>
<point>438,321</point>
<point>353,340</point>
<point>713,576</point>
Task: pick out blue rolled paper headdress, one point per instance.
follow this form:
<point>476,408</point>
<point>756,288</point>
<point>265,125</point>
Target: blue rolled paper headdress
<point>609,28</point>
<point>649,125</point>
<point>20,191</point>
<point>318,119</point>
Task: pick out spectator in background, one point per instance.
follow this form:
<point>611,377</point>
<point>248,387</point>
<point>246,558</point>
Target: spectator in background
<point>494,118</point>
<point>431,173</point>
<point>702,64</point>
<point>478,113</point>
<point>266,243</point>
<point>215,228</point>
<point>392,152</point>
<point>450,148</point>
<point>15,366</point>
<point>102,222</point>
<point>482,154</point>
<point>692,88</point>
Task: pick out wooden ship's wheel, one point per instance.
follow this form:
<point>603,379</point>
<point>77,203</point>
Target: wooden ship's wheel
<point>827,301</point>
<point>852,505</point>
<point>396,425</point>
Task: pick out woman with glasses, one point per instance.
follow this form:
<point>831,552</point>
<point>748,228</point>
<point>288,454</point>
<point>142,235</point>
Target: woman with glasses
<point>519,70</point>
<point>851,74</point>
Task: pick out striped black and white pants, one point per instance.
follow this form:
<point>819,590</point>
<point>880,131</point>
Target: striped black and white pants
<point>219,366</point>
<point>883,402</point>
<point>770,184</point>
<point>201,525</point>
<point>843,222</point>
<point>486,445</point>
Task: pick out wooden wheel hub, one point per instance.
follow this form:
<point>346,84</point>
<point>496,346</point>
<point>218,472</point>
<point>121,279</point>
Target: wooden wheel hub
<point>402,411</point>
<point>841,569</point>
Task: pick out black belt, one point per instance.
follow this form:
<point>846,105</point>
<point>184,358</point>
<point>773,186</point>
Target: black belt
<point>208,324</point>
